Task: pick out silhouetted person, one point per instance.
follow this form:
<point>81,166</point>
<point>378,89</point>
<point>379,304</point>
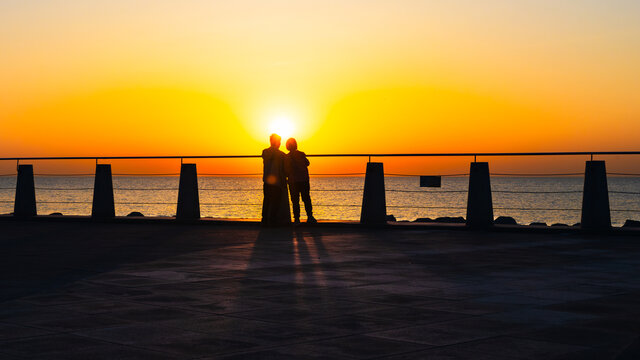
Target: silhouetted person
<point>275,207</point>
<point>296,167</point>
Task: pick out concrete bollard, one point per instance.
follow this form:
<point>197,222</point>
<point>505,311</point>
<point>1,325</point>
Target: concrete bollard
<point>596,214</point>
<point>374,205</point>
<point>25,202</point>
<point>103,204</point>
<point>188,197</point>
<point>479,202</point>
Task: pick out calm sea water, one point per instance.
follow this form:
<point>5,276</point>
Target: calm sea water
<point>558,199</point>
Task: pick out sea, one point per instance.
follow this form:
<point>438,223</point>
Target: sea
<point>527,199</point>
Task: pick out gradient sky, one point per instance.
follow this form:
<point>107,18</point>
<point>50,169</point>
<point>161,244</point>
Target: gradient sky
<point>127,77</point>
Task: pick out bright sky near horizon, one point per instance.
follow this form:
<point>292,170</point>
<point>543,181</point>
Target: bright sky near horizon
<point>152,77</point>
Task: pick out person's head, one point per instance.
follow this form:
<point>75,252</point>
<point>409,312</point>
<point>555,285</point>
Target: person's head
<point>275,140</point>
<point>292,144</point>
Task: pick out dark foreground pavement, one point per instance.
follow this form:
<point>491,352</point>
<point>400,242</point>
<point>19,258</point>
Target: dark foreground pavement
<point>165,291</point>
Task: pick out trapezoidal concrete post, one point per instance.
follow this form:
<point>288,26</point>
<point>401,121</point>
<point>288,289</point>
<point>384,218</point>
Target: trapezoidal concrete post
<point>25,202</point>
<point>479,201</point>
<point>374,204</point>
<point>188,198</point>
<point>596,215</point>
<point>103,204</point>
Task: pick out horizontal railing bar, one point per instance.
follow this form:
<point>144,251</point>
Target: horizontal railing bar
<point>335,174</point>
<point>534,174</point>
<point>416,175</point>
<point>177,174</point>
<point>426,191</point>
<point>558,153</point>
<point>537,192</point>
<point>237,174</point>
<point>343,174</point>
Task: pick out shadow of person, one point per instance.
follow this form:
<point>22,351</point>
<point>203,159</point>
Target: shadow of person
<point>285,268</point>
<point>293,265</point>
<point>301,285</point>
<point>272,247</point>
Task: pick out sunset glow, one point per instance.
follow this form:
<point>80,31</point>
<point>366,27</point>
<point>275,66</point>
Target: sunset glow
<point>283,126</point>
<point>210,78</point>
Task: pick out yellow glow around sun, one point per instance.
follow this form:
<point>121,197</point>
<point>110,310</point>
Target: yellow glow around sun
<point>283,126</point>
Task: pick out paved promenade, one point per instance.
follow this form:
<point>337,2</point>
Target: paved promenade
<point>168,291</point>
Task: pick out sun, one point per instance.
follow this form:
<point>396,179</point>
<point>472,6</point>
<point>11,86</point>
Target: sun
<point>282,125</point>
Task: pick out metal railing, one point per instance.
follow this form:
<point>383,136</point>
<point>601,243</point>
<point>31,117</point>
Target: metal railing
<point>368,156</point>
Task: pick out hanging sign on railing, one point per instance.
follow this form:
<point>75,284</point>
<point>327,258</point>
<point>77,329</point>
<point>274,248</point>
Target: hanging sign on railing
<point>430,181</point>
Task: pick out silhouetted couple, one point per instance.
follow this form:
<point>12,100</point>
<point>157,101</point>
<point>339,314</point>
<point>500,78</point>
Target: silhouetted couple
<point>281,169</point>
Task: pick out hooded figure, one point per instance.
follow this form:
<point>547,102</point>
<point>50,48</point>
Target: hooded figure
<point>275,207</point>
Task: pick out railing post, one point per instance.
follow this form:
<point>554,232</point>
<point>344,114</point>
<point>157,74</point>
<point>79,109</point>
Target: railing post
<point>479,202</point>
<point>596,214</point>
<point>188,198</point>
<point>374,205</point>
<point>25,201</point>
<point>103,204</point>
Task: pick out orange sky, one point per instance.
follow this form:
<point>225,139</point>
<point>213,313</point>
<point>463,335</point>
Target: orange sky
<point>194,77</point>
